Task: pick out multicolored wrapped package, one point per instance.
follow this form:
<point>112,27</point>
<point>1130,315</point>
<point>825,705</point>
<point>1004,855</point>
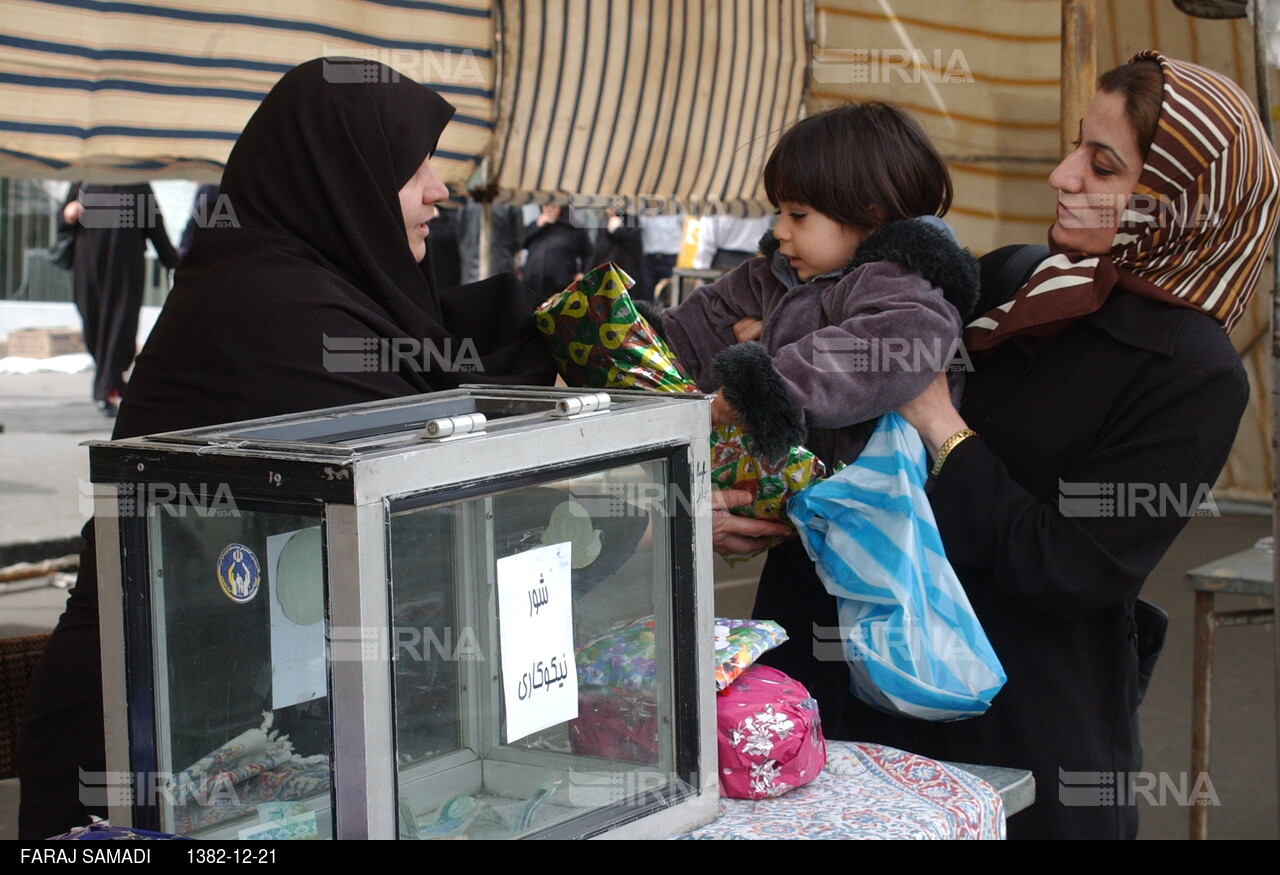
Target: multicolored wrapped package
<point>257,766</point>
<point>735,466</point>
<point>625,657</point>
<point>618,673</point>
<point>617,725</point>
<point>738,643</point>
<point>617,703</point>
<point>101,830</point>
<point>600,341</point>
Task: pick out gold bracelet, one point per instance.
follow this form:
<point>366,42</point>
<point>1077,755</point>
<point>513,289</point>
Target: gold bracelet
<point>947,446</point>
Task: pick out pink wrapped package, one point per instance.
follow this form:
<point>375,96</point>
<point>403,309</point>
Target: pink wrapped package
<point>769,735</point>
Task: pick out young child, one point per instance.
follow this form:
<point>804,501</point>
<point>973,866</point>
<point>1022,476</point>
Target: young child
<point>855,307</point>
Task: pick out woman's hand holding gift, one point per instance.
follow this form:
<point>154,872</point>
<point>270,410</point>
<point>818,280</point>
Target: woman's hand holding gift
<point>733,535</point>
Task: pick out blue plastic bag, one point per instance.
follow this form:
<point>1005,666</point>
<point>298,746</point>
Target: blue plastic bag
<point>912,641</point>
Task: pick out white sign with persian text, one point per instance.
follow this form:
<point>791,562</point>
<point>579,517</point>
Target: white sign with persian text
<point>535,616</point>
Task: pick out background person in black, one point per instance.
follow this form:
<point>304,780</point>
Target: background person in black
<point>444,249</point>
<point>557,251</point>
<point>332,190</point>
<point>108,276</point>
<point>620,241</point>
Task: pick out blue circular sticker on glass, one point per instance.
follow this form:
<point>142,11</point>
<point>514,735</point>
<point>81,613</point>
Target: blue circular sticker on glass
<point>239,573</point>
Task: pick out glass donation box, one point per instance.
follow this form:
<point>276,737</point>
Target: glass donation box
<point>481,613</point>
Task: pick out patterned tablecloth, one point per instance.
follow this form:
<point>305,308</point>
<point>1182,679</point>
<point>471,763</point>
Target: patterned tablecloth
<point>868,791</point>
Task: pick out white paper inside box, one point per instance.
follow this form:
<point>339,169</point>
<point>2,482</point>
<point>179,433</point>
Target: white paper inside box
<point>43,343</point>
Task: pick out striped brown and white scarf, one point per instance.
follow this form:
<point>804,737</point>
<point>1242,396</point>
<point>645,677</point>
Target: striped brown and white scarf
<point>1196,230</point>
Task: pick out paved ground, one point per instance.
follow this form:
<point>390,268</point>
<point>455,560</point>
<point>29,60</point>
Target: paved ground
<point>42,469</point>
<point>45,417</point>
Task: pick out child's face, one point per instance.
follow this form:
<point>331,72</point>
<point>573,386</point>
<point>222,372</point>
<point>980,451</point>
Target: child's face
<point>814,242</point>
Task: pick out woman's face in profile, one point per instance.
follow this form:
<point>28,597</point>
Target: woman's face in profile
<point>1095,181</point>
<point>418,198</point>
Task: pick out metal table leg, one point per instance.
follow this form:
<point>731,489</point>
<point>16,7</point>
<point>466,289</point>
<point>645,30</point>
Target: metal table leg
<point>1201,677</point>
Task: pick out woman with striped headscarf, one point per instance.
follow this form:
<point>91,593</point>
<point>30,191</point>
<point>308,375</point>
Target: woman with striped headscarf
<point>1103,402</point>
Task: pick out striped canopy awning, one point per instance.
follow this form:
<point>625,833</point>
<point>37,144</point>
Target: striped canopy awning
<point>663,99</point>
<point>142,90</point>
<point>656,100</point>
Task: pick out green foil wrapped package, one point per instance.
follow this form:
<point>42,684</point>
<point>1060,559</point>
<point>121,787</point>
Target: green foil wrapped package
<point>600,341</point>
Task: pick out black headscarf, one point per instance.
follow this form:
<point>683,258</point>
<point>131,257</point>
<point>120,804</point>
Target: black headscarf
<point>309,263</point>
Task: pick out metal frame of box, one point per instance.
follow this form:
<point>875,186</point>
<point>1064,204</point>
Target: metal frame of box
<point>356,482</point>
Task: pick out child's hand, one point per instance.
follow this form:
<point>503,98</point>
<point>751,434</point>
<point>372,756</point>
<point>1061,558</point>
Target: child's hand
<point>722,412</point>
<point>747,328</point>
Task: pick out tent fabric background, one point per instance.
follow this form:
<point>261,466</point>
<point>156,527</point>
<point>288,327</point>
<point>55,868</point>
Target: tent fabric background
<point>128,91</point>
<point>632,97</point>
<point>657,99</point>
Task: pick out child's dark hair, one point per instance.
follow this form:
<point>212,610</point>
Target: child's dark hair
<point>863,165</point>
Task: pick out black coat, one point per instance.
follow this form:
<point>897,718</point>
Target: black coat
<point>205,210</point>
<point>109,273</point>
<point>1138,402</point>
<point>557,253</point>
<point>444,249</point>
<point>623,246</point>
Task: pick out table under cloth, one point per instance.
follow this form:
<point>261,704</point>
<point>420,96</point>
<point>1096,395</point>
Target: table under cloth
<point>869,791</point>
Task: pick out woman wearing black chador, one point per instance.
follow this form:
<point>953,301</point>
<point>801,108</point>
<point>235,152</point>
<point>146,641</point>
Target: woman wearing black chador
<point>332,187</point>
<point>113,224</point>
